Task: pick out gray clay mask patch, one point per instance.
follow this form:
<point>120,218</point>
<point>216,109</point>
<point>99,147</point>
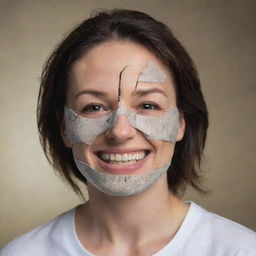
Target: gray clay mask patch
<point>84,129</point>
<point>121,185</point>
<point>152,74</point>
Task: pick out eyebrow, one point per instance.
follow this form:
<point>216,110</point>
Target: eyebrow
<point>144,92</point>
<point>137,92</point>
<point>91,92</point>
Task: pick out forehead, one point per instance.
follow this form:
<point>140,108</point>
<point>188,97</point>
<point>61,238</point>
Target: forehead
<point>101,66</point>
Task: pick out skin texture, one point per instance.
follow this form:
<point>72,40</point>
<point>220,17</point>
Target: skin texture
<point>134,225</point>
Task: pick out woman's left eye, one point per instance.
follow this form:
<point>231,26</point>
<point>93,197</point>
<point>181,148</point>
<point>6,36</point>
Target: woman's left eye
<point>149,106</point>
<point>92,108</point>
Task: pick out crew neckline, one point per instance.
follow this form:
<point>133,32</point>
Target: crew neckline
<point>181,237</point>
<point>185,231</point>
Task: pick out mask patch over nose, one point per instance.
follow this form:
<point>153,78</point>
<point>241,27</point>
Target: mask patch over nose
<point>84,129</point>
<point>161,127</point>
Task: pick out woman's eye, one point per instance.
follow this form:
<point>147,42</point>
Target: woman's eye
<point>92,108</point>
<point>149,106</point>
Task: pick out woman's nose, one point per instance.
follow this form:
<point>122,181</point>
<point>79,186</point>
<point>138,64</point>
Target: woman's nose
<point>122,130</point>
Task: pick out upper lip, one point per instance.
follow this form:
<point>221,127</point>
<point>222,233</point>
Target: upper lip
<point>121,150</point>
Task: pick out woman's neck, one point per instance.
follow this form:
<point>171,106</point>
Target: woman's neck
<point>153,214</point>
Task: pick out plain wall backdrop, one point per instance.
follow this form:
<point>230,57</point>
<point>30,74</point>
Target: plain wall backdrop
<point>219,35</point>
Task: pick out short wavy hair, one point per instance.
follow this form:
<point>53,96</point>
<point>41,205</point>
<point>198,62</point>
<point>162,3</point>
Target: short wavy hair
<point>138,27</point>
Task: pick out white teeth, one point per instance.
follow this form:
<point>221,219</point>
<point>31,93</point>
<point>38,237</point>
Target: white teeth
<point>118,157</point>
<point>123,157</point>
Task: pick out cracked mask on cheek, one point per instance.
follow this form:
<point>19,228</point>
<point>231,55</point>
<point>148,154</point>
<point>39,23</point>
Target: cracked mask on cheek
<point>84,129</point>
<point>81,129</point>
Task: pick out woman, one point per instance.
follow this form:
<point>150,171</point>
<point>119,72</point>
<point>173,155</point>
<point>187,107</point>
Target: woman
<point>120,109</point>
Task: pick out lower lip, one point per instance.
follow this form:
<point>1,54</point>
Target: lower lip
<point>123,169</point>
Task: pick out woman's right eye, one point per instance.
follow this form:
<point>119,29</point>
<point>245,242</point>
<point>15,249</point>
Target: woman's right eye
<point>92,108</point>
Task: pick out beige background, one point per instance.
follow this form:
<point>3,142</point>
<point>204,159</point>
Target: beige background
<point>220,36</point>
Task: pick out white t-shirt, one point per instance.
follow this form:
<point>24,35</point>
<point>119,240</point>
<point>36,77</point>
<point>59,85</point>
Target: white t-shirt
<point>202,233</point>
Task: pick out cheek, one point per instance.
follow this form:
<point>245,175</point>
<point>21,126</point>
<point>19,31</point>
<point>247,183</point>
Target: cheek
<point>163,151</point>
<point>80,151</point>
<point>167,149</point>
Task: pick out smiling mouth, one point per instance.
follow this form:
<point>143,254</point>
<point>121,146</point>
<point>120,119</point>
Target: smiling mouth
<point>124,158</point>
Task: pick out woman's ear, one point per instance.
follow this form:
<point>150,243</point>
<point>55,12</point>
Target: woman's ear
<point>181,127</point>
<point>64,134</point>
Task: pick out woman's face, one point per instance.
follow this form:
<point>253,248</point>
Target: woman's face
<point>105,78</point>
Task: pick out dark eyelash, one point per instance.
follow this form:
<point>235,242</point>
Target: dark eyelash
<point>155,106</point>
<point>86,108</point>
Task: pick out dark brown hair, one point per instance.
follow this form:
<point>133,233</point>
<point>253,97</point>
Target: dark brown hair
<point>140,28</point>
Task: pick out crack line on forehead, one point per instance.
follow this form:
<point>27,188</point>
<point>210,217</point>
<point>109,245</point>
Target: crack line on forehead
<point>137,82</point>
<point>120,78</point>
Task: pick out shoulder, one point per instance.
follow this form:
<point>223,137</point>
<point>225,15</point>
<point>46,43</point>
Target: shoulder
<point>226,235</point>
<point>40,240</point>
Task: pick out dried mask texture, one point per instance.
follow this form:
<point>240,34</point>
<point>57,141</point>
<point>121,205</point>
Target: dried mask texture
<point>84,129</point>
<point>121,185</point>
<point>162,127</point>
<point>152,74</point>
